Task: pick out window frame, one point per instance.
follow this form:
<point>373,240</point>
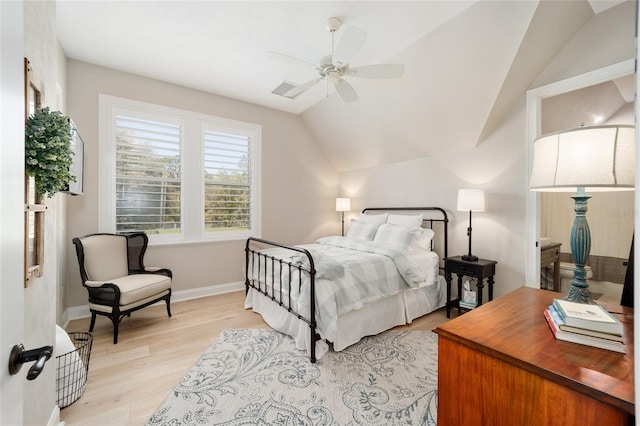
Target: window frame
<point>192,169</point>
<point>230,129</point>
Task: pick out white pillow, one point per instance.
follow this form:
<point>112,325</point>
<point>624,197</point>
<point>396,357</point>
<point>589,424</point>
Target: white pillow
<point>422,241</point>
<point>396,236</point>
<point>362,230</point>
<point>377,219</point>
<point>412,221</point>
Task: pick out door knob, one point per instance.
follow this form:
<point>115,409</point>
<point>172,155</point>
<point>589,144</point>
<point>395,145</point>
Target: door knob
<point>20,356</point>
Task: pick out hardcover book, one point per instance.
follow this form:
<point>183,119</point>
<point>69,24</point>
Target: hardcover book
<point>588,316</point>
<point>582,339</point>
<point>564,327</point>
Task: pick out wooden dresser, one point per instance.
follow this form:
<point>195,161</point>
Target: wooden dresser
<point>500,365</point>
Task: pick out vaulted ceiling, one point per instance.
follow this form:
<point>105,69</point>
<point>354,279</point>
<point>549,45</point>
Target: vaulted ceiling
<point>465,61</point>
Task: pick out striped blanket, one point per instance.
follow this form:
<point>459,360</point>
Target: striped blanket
<point>349,274</point>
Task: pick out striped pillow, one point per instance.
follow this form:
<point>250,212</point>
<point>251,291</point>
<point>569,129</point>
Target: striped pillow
<point>361,230</point>
<point>396,236</point>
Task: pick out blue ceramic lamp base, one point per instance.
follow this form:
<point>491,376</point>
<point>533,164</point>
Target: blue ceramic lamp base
<point>580,247</point>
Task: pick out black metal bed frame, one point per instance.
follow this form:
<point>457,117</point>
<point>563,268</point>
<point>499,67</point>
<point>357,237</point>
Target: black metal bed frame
<point>263,279</point>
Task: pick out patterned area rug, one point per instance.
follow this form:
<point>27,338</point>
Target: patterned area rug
<point>250,377</point>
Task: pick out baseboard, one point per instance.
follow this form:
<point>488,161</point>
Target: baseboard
<point>54,419</point>
<point>78,312</point>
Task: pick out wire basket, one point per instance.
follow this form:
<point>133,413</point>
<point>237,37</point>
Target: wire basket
<point>73,369</point>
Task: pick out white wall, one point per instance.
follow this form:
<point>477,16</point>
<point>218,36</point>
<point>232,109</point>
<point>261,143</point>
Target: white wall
<point>299,185</point>
<point>497,164</point>
<point>607,38</point>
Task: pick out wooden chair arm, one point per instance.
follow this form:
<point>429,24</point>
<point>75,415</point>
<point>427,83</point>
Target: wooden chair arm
<point>103,293</point>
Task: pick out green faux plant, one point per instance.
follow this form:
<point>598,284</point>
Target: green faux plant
<point>48,153</point>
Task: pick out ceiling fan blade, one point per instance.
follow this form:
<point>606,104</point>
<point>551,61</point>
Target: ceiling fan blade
<point>299,89</point>
<point>377,71</point>
<point>290,60</point>
<point>348,45</point>
<point>345,91</point>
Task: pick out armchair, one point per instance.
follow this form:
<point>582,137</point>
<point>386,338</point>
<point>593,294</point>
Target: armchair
<point>113,272</point>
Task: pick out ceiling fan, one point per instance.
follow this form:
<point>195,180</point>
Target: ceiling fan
<point>335,67</point>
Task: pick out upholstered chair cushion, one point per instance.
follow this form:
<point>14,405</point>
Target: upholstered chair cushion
<point>105,257</point>
<point>137,287</point>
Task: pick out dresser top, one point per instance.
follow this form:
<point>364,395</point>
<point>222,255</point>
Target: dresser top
<point>513,329</point>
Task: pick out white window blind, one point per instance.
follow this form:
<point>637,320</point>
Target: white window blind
<point>177,175</point>
<point>227,181</point>
<point>148,175</point>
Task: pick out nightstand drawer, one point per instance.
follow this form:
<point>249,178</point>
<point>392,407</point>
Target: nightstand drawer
<point>478,270</point>
<point>471,269</point>
<point>549,254</point>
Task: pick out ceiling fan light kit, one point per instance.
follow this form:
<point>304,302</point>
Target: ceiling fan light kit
<point>335,67</point>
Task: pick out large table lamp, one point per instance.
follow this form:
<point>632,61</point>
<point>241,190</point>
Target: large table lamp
<point>343,205</point>
<point>586,159</point>
<point>471,200</point>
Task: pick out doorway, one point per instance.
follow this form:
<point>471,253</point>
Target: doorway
<point>610,214</point>
<point>535,98</point>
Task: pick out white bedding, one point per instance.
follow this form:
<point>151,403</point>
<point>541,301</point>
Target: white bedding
<point>351,275</point>
<point>371,319</point>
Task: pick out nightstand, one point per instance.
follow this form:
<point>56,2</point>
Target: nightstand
<point>550,254</point>
<point>480,270</point>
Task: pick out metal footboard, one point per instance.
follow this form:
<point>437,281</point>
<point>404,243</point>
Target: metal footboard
<point>275,276</point>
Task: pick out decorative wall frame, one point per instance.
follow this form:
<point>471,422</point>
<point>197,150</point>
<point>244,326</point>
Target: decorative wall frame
<point>34,208</point>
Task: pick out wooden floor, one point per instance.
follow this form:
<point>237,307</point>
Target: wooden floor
<point>128,381</point>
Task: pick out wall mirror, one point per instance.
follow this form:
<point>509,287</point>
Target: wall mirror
<point>34,207</point>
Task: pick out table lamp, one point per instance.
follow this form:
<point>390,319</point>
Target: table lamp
<point>343,205</point>
<point>473,201</point>
<point>586,159</point>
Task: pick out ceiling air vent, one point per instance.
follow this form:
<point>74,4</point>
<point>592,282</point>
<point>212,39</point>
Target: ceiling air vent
<point>283,88</point>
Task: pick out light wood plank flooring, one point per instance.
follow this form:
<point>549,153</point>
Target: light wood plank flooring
<point>128,381</point>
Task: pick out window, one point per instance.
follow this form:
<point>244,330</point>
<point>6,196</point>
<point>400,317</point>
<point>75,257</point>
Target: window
<point>227,181</point>
<point>147,174</point>
<point>176,175</point>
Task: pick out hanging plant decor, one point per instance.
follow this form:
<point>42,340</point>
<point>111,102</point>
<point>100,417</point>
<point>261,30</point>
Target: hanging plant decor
<point>48,153</point>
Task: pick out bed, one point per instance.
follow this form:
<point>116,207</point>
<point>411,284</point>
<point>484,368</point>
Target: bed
<point>387,271</point>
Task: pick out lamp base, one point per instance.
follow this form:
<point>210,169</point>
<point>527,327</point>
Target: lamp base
<point>470,258</point>
<point>579,294</point>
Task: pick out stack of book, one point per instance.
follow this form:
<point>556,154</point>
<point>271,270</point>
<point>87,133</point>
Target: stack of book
<point>467,305</point>
<point>590,325</point>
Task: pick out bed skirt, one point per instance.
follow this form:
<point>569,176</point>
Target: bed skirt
<point>372,319</point>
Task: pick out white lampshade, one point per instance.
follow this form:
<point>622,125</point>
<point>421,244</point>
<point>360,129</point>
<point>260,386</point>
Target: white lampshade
<point>343,204</point>
<point>471,199</point>
<point>596,158</point>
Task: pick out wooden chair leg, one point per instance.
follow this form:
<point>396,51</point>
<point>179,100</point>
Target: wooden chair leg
<point>116,323</point>
<point>93,321</point>
<point>168,300</point>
